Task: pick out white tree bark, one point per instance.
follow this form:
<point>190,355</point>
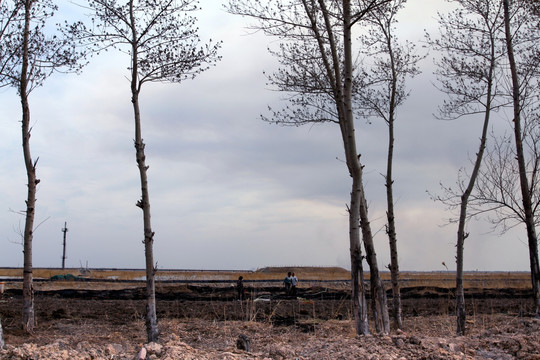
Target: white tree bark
<point>28,289</point>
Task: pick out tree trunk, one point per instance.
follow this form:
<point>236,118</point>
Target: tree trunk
<point>360,307</point>
<point>28,289</point>
<point>144,203</point>
<point>460,293</point>
<point>358,210</point>
<point>344,104</point>
<point>524,183</point>
<point>2,343</point>
<point>392,239</point>
<point>461,235</point>
<point>378,293</point>
<point>391,227</point>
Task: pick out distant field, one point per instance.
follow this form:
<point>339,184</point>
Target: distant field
<point>125,278</point>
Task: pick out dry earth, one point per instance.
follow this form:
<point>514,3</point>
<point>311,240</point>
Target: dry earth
<point>198,322</point>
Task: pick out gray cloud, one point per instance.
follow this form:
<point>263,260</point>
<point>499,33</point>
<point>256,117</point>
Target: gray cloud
<point>227,190</point>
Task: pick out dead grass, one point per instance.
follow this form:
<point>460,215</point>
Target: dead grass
<point>437,279</point>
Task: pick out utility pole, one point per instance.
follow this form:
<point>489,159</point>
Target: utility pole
<point>64,230</point>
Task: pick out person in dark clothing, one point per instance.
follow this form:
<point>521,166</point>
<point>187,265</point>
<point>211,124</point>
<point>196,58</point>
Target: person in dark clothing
<point>288,283</point>
<point>240,288</point>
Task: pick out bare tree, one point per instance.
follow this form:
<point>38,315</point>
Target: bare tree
<point>470,46</point>
<point>468,74</point>
<point>162,41</point>
<point>28,57</point>
<point>318,72</point>
<point>383,90</point>
<point>522,70</point>
<point>485,69</point>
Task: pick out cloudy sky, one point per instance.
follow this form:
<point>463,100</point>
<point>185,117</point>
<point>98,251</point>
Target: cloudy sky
<point>227,190</point>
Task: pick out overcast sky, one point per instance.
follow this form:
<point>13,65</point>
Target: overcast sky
<point>228,191</point>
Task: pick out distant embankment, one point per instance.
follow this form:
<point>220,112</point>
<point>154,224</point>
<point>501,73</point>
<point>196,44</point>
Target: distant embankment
<point>180,275</point>
<point>47,278</point>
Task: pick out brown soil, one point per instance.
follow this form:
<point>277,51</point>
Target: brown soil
<point>204,322</point>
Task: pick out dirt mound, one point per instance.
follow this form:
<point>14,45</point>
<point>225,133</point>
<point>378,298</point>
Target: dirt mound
<point>205,321</point>
<point>493,337</point>
<point>325,272</point>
